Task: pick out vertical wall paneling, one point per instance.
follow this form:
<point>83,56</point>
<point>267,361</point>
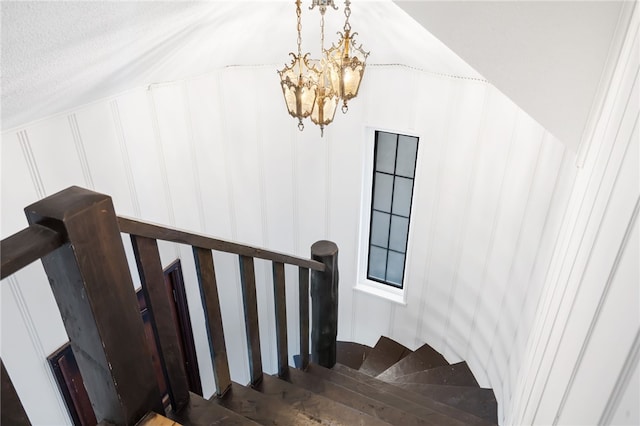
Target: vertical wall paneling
<point>538,230</point>
<point>124,153</point>
<point>82,155</point>
<point>133,116</point>
<point>622,407</point>
<point>453,179</point>
<point>430,125</point>
<point>97,140</point>
<point>423,334</point>
<point>27,152</point>
<point>593,204</point>
<point>568,349</point>
<point>206,122</point>
<point>466,198</point>
<point>475,337</point>
<point>53,154</point>
<point>190,145</point>
<point>590,279</point>
<point>618,304</point>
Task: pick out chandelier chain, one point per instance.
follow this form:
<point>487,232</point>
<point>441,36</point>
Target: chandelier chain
<point>322,34</point>
<point>347,14</point>
<point>298,14</point>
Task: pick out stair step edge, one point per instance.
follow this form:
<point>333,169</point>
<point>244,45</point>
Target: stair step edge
<point>383,410</point>
<point>433,404</point>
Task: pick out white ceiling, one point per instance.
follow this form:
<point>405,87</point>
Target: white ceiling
<point>547,56</point>
<point>58,55</point>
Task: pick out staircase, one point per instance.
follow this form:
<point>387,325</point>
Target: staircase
<point>77,236</point>
<point>386,384</point>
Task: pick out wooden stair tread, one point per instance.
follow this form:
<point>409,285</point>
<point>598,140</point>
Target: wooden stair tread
<point>351,354</point>
<point>155,419</point>
<point>201,412</point>
<point>423,401</point>
<point>263,409</point>
<point>477,401</point>
<point>384,354</point>
<point>457,374</point>
<point>423,358</point>
<point>380,410</point>
<point>313,403</point>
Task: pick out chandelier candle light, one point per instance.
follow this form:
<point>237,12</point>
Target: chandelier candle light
<point>314,87</point>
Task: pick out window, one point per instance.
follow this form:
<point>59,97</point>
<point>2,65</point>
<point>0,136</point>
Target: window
<point>393,175</point>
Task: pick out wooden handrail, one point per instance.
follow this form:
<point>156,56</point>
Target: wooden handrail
<point>27,246</point>
<point>77,235</point>
<point>158,232</point>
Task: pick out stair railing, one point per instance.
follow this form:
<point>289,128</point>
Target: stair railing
<point>77,235</point>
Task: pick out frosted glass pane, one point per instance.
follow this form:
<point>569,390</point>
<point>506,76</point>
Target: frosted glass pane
<point>385,152</point>
<point>402,196</point>
<point>382,192</point>
<point>377,262</point>
<point>399,231</point>
<point>380,229</point>
<point>395,268</point>
<point>407,149</point>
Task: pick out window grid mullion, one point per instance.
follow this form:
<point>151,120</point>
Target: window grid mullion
<point>393,192</point>
<point>388,250</point>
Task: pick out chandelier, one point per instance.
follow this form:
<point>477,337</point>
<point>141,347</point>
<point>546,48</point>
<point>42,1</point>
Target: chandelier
<point>299,81</point>
<point>314,87</point>
<point>347,62</point>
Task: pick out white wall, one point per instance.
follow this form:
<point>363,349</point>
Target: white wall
<point>581,364</point>
<point>204,155</point>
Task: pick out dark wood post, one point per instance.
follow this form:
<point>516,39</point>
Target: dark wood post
<point>324,304</point>
<point>92,285</point>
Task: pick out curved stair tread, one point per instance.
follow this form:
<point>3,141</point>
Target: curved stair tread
<point>384,354</point>
<point>375,408</point>
<point>202,412</point>
<point>477,401</point>
<point>263,409</point>
<point>423,401</point>
<point>457,374</point>
<point>318,406</point>
<point>351,354</point>
<point>423,358</point>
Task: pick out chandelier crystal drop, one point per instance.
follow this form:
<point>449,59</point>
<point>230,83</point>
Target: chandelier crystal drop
<point>299,80</point>
<point>347,62</point>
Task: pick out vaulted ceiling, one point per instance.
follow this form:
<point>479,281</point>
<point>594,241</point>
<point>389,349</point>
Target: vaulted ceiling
<point>549,57</point>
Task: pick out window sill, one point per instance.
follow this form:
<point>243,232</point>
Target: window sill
<point>391,294</point>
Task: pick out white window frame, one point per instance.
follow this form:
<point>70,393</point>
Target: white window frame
<point>363,284</point>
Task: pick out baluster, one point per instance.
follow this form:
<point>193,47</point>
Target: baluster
<point>248,281</point>
<point>303,283</point>
<point>155,293</point>
<point>211,304</point>
<point>281,318</point>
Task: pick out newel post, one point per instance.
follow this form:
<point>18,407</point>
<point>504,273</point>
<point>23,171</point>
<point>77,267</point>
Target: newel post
<point>92,285</point>
<point>324,304</point>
